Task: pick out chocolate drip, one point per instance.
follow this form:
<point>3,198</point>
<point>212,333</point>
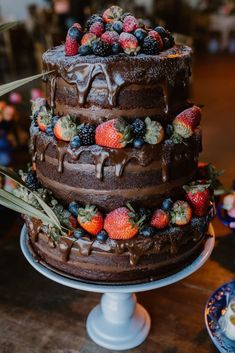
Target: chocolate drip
<point>65,245</point>
<point>52,93</point>
<point>85,245</point>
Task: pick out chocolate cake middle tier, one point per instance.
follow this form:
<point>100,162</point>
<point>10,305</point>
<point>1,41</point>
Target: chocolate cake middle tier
<point>109,178</point>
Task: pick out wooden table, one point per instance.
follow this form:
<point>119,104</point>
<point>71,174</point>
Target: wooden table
<point>39,316</point>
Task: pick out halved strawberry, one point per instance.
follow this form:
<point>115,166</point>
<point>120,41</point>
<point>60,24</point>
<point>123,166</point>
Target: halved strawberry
<point>65,128</point>
<point>122,223</point>
<point>129,43</point>
<point>115,133</point>
<point>181,213</point>
<point>88,39</point>
<point>198,195</point>
<point>160,219</point>
<point>154,132</point>
<point>44,119</point>
<point>112,14</point>
<point>90,219</point>
<point>186,122</point>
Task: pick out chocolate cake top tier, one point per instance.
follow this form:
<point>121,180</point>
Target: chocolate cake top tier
<point>99,88</point>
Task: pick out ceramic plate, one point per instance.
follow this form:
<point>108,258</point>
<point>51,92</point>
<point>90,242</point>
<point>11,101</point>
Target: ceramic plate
<point>216,304</point>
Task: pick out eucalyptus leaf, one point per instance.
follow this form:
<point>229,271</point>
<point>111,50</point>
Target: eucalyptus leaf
<point>21,206</point>
<point>8,25</point>
<point>15,177</point>
<point>8,87</point>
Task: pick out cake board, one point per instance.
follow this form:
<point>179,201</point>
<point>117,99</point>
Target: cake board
<point>118,322</point>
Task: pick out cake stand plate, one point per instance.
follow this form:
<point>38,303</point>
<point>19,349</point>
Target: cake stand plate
<point>118,322</point>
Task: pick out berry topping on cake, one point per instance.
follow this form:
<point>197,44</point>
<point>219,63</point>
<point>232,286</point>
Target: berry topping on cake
<point>129,43</point>
<point>97,28</point>
<point>161,30</point>
<point>138,142</point>
<point>147,231</point>
<point>138,128</point>
<point>181,213</point>
<point>88,39</point>
<point>154,132</point>
<point>31,181</point>
<point>150,46</point>
<point>187,121</point>
<point>115,133</point>
<point>101,48</point>
<point>65,128</point>
<point>102,236</point>
<point>117,26</point>
<point>198,195</point>
<point>90,219</point>
<point>146,213</point>
<point>79,233</point>
<point>140,34</point>
<point>49,130</point>
<point>121,223</point>
<point>73,208</point>
<point>71,46</point>
<point>130,24</point>
<point>72,222</point>
<point>110,37</point>
<point>85,50</point>
<point>93,19</point>
<point>86,133</point>
<point>112,14</point>
<point>116,48</point>
<point>155,35</point>
<point>44,119</point>
<point>160,219</point>
<point>167,204</point>
<point>75,32</point>
<point>54,120</point>
<point>75,142</point>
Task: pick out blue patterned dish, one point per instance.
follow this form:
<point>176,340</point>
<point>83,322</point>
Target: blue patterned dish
<point>215,307</point>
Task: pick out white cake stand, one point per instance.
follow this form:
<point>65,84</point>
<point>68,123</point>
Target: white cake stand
<point>118,322</point>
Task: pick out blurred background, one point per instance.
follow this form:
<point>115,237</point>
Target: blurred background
<point>207,26</point>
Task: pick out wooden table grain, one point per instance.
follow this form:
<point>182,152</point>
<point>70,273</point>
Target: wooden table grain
<point>40,316</point>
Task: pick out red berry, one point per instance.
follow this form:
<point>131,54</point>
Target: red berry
<point>90,219</point>
<point>97,28</point>
<point>198,196</point>
<point>155,35</point>
<point>130,24</point>
<point>88,39</point>
<point>115,133</point>
<point>187,121</point>
<point>110,37</point>
<point>129,43</point>
<point>71,46</point>
<point>112,14</point>
<point>160,219</point>
<point>65,129</point>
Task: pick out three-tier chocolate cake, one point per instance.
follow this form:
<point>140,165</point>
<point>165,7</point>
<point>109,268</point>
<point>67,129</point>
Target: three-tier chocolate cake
<point>116,144</point>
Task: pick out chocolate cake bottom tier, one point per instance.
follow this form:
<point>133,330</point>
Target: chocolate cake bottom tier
<point>138,260</point>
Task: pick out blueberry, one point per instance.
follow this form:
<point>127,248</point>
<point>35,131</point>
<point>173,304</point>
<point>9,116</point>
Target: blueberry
<point>169,130</point>
<point>49,130</point>
<point>73,208</point>
<point>138,143</point>
<point>159,29</point>
<point>147,231</point>
<point>74,33</point>
<point>144,211</point>
<point>167,204</point>
<point>75,142</point>
<point>79,233</point>
<point>140,34</point>
<point>116,48</point>
<point>167,43</point>
<point>118,26</point>
<point>102,236</point>
<point>54,120</point>
<point>85,50</point>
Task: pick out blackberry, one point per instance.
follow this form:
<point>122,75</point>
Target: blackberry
<point>150,46</point>
<point>138,128</point>
<point>84,50</point>
<point>31,181</point>
<point>93,19</point>
<point>86,133</point>
<point>101,48</point>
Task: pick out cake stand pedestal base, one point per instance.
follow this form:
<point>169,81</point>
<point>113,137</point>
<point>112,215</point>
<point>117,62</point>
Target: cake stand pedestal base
<point>118,322</point>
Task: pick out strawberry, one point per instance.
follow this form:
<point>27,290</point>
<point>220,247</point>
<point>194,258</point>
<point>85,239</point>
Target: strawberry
<point>75,32</point>
<point>186,122</point>
<point>129,43</point>
<point>97,28</point>
<point>155,35</point>
<point>130,24</point>
<point>88,39</point>
<point>160,219</point>
<point>44,118</point>
<point>122,223</point>
<point>90,219</point>
<point>78,26</point>
<point>71,46</point>
<point>154,132</point>
<point>65,129</point>
<point>198,195</point>
<point>110,37</point>
<point>112,14</point>
<point>115,133</point>
<point>181,213</point>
